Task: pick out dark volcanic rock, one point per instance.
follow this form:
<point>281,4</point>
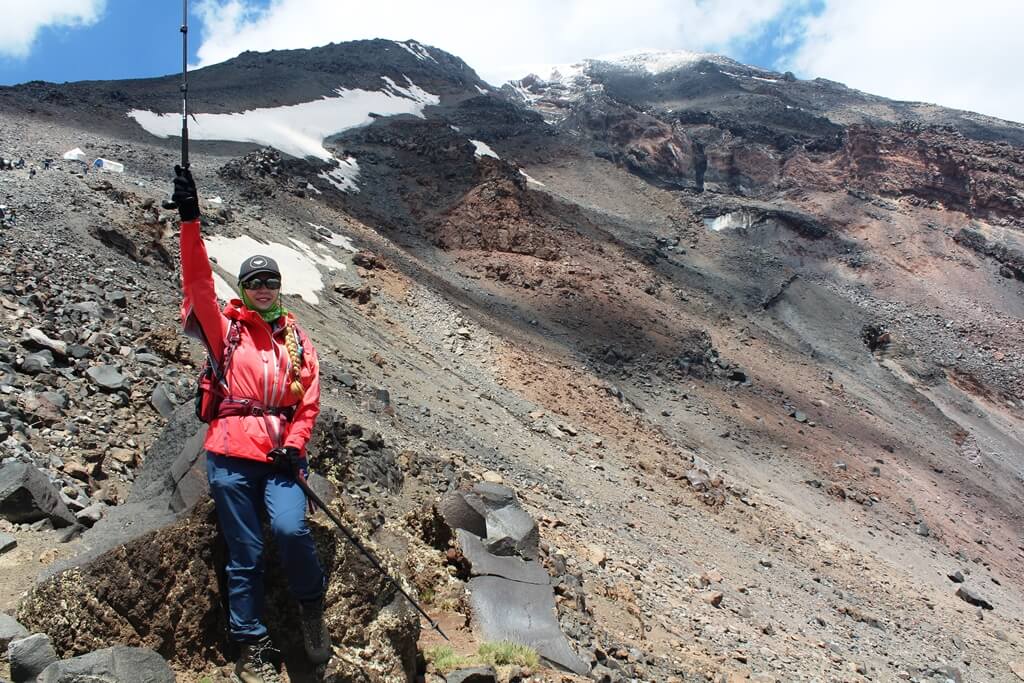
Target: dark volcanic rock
<point>506,610</point>
<point>970,597</point>
<point>26,495</point>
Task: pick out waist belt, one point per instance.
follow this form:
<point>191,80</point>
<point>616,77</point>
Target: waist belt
<point>240,407</point>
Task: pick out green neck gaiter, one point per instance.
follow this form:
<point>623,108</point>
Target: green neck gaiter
<point>271,314</point>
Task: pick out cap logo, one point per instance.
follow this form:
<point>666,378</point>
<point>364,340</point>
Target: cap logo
<point>257,262</point>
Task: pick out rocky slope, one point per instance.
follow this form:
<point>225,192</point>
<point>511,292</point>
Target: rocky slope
<point>747,348</point>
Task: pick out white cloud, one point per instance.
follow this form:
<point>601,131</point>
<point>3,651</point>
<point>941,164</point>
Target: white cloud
<point>501,41</point>
<point>23,20</point>
<point>966,55</point>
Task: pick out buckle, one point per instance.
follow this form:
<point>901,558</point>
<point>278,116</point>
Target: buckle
<point>256,411</point>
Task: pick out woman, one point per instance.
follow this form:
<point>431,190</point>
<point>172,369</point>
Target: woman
<point>257,437</point>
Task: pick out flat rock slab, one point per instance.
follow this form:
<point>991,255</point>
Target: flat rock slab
<point>29,656</point>
<point>107,377</point>
<point>26,496</point>
<point>522,613</point>
<point>479,674</point>
<point>10,630</point>
<point>483,563</point>
<point>118,664</point>
<point>7,542</point>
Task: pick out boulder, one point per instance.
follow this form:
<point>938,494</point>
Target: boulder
<point>118,664</point>
<point>972,598</point>
<point>29,656</point>
<point>174,604</point>
<point>26,495</point>
<point>459,512</point>
<point>10,630</point>
<point>511,528</point>
<point>150,577</point>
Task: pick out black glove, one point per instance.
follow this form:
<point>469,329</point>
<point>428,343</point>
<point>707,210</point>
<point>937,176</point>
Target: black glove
<point>185,194</point>
<point>287,459</point>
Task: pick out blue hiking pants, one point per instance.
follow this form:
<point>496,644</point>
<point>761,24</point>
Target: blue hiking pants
<point>240,488</point>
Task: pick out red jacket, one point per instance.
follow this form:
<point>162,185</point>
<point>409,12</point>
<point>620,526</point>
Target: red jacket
<point>260,368</point>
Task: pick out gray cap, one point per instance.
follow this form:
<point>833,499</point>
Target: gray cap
<point>255,265</point>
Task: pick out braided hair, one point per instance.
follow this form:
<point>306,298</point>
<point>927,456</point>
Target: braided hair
<point>291,340</point>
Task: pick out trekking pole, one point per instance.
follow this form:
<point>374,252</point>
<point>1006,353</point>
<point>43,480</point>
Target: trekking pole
<point>169,205</point>
<point>359,546</point>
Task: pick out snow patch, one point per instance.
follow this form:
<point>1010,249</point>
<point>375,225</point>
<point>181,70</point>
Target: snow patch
<point>416,50</point>
<point>297,129</point>
<point>300,274</point>
<point>732,221</point>
<point>656,61</point>
<point>225,292</point>
<point>334,238</point>
<point>325,259</point>
<point>529,179</point>
<point>481,90</point>
<point>344,176</point>
<point>482,149</point>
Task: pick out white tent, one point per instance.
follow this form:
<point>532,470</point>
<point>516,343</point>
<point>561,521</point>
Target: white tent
<point>75,155</point>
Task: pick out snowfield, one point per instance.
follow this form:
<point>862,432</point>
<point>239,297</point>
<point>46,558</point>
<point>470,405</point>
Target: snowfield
<point>300,129</point>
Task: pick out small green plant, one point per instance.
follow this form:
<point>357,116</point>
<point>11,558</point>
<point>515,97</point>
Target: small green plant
<point>509,654</point>
<point>444,659</point>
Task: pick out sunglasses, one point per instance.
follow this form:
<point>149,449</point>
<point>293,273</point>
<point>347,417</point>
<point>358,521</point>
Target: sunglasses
<point>261,282</point>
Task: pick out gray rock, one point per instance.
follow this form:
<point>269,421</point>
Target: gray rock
<point>118,664</point>
<point>923,530</point>
<point>479,674</point>
<point>956,577</point>
<point>972,598</point>
<point>10,630</point>
<point>494,496</point>
<point>29,656</point>
<point>88,516</point>
<point>162,401</point>
<point>7,542</point>
<point>26,495</point>
<point>37,362</point>
<point>460,512</point>
<point>78,351</point>
<point>522,613</point>
<point>515,524</point>
<point>483,563</point>
<point>35,338</point>
<point>107,377</point>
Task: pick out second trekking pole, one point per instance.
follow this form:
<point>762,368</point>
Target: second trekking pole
<point>359,546</point>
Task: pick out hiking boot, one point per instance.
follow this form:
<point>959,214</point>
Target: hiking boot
<point>314,631</point>
<point>256,662</point>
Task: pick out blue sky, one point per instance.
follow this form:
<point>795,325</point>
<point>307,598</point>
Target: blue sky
<point>942,51</point>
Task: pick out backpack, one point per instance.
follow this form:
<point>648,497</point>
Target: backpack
<point>212,378</point>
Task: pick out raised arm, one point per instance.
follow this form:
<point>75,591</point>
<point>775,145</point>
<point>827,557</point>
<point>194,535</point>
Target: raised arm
<point>200,312</point>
